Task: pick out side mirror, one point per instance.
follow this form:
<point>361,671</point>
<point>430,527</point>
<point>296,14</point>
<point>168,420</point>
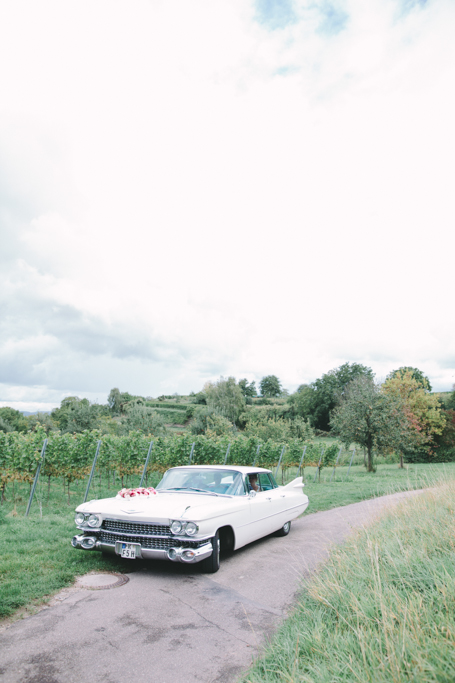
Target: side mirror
<point>252,494</point>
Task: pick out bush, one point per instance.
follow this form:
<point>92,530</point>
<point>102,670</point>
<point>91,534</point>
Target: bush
<point>443,449</point>
<point>210,422</point>
<point>200,398</point>
<point>143,418</point>
<point>190,411</point>
<point>171,416</point>
<point>168,406</point>
<point>441,454</point>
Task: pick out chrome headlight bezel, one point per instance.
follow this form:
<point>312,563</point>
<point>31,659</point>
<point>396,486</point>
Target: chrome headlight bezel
<point>176,527</point>
<point>179,528</point>
<point>79,518</point>
<point>94,521</point>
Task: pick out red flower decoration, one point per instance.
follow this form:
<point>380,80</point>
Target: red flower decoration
<point>140,491</point>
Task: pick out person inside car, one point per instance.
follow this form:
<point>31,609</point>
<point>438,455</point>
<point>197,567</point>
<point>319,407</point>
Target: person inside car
<point>253,482</point>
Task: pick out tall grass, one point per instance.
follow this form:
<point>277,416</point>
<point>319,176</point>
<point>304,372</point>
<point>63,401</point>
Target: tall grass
<point>383,607</point>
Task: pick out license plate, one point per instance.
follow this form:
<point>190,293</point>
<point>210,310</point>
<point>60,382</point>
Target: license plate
<point>129,550</point>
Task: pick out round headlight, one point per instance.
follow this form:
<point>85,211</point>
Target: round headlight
<point>79,519</point>
<point>190,529</point>
<point>94,520</point>
<point>176,527</point>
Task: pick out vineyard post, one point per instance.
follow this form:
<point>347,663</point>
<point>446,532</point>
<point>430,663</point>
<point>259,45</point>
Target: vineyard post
<point>319,465</point>
<point>35,481</point>
<point>352,458</point>
<point>192,451</point>
<point>146,463</point>
<point>279,461</point>
<point>227,453</point>
<point>256,456</point>
<point>302,459</point>
<point>92,472</point>
<point>334,467</point>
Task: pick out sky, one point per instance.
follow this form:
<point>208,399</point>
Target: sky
<point>191,190</point>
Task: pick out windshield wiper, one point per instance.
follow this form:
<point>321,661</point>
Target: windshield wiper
<point>192,488</point>
<point>173,488</point>
<point>189,488</point>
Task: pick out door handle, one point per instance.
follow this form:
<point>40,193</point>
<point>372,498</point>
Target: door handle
<point>269,499</point>
<point>282,495</point>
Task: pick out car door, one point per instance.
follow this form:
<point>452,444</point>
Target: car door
<point>266,508</point>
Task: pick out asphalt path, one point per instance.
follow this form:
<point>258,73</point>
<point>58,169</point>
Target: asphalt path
<point>172,624</point>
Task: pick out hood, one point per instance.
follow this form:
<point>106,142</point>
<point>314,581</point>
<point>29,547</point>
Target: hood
<point>162,506</point>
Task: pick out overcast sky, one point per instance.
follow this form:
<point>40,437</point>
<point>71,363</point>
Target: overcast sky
<point>196,188</point>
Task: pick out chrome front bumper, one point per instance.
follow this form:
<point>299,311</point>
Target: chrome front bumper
<point>178,554</point>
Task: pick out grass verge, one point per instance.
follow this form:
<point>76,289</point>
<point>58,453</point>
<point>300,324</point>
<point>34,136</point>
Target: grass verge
<point>382,608</point>
<point>361,485</point>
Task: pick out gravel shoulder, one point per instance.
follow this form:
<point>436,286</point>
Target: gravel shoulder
<point>171,623</point>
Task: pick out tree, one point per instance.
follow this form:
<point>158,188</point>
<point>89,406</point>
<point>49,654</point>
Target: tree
<point>368,416</point>
<point>42,419</point>
<point>422,409</point>
<point>272,422</point>
<point>200,398</point>
<point>445,442</point>
<point>208,421</point>
<point>61,415</point>
<point>415,373</point>
<point>114,401</point>
<point>225,396</point>
<point>119,400</point>
<point>317,400</point>
<point>76,414</point>
<point>270,386</point>
<point>248,390</point>
<point>143,418</point>
<point>451,401</point>
<point>300,401</point>
<point>5,426</point>
<point>12,420</point>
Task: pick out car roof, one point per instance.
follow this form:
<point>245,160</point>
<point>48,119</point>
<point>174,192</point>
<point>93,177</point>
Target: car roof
<point>243,469</point>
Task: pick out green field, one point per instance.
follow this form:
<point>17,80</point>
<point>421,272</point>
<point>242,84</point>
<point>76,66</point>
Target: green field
<point>37,558</point>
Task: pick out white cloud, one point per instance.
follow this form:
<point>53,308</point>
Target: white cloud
<point>197,195</point>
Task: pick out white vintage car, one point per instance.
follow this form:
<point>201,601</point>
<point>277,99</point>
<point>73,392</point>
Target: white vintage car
<point>193,513</point>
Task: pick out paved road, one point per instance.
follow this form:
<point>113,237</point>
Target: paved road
<point>172,624</point>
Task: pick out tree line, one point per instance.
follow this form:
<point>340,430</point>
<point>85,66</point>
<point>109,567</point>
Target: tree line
<point>400,415</point>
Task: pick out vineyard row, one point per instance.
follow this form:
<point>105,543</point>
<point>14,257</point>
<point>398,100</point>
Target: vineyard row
<point>71,455</point>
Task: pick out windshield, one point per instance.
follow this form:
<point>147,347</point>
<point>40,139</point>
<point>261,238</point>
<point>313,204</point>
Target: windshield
<point>203,480</point>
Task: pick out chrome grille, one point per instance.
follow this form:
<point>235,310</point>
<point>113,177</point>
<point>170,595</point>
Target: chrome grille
<point>135,528</point>
<point>147,542</point>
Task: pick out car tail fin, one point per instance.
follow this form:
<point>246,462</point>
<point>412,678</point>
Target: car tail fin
<point>295,484</point>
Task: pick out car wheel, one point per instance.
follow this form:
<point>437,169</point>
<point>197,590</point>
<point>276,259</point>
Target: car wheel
<point>226,541</point>
<point>285,529</point>
<point>212,563</point>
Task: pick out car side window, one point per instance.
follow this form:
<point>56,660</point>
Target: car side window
<point>265,483</point>
<point>273,480</point>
